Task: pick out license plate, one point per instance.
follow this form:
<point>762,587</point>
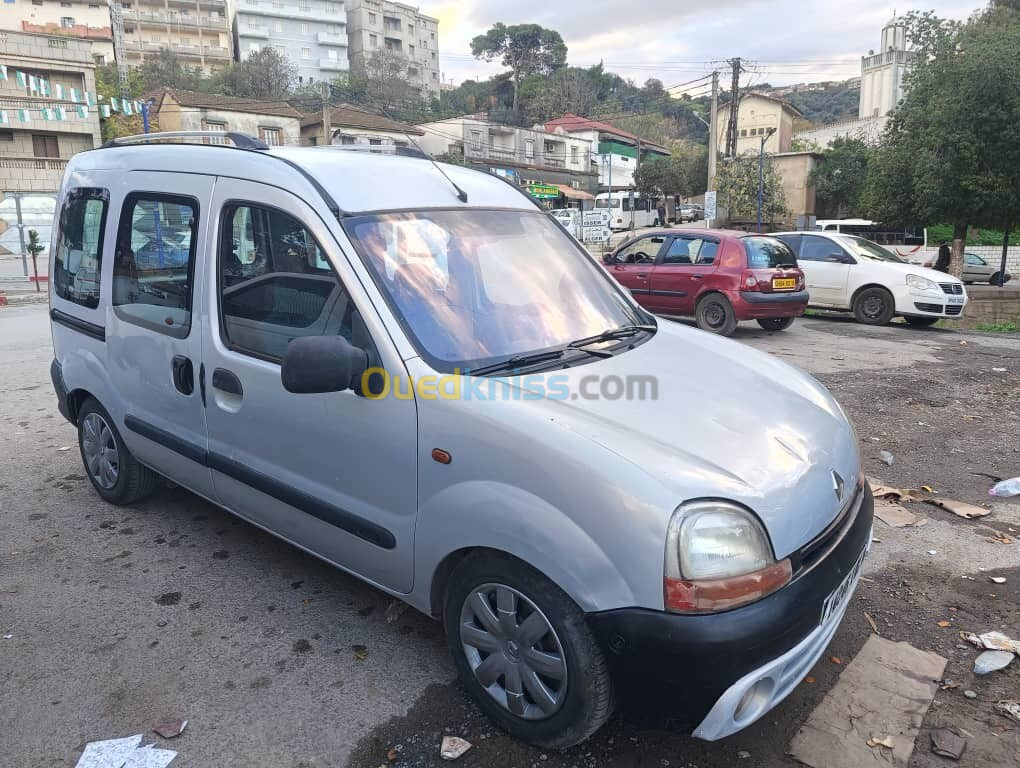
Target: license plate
<point>838,597</point>
<point>955,299</point>
<point>783,283</point>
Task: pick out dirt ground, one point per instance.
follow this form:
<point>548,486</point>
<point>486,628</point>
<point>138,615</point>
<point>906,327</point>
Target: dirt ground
<point>933,400</point>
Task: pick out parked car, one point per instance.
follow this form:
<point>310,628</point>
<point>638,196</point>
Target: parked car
<point>850,273</point>
<point>416,380</point>
<point>977,270</point>
<point>689,212</point>
<point>717,277</point>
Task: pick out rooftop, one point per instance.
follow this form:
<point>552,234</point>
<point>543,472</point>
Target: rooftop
<point>347,116</point>
<point>571,123</point>
<point>768,97</point>
<point>227,103</point>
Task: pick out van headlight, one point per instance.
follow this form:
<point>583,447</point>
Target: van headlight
<point>921,283</point>
<point>718,557</point>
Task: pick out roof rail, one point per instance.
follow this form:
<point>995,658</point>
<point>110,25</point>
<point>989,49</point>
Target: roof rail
<point>382,149</point>
<point>240,140</point>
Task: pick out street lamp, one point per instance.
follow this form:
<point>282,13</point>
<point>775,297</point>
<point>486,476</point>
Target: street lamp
<point>761,172</point>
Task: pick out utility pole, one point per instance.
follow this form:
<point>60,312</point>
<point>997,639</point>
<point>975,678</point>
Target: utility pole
<point>327,125</point>
<point>731,127</point>
<point>713,133</point>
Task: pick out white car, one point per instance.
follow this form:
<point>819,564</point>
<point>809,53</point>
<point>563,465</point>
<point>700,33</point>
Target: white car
<point>844,272</point>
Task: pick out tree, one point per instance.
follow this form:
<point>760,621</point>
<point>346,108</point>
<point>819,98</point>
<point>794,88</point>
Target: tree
<point>108,86</point>
<point>387,83</point>
<point>683,173</point>
<point>952,149</point>
<point>266,75</point>
<point>167,70</point>
<point>737,185</point>
<point>570,89</point>
<point>839,177</point>
<point>525,49</point>
<point>34,248</point>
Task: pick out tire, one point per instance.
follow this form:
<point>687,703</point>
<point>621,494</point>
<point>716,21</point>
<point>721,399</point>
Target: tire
<point>715,315</point>
<point>775,323</point>
<point>576,704</point>
<point>113,471</point>
<point>921,322</point>
<point>874,306</point>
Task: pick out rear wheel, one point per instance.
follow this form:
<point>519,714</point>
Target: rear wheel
<point>114,473</point>
<point>874,306</point>
<point>715,314</point>
<point>775,323</point>
<point>525,653</point>
<point>921,322</point>
<point>994,279</point>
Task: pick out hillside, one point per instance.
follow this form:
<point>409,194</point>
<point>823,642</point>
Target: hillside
<point>821,103</point>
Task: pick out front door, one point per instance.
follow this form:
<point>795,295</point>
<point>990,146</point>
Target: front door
<point>826,267</point>
<point>681,272</point>
<point>335,473</point>
<point>632,264</point>
<point>155,325</point>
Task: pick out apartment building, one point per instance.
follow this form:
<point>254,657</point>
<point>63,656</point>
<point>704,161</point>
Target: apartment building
<point>312,34</point>
<point>84,19</point>
<point>381,25</point>
<point>44,120</point>
<point>758,116</point>
<point>196,30</point>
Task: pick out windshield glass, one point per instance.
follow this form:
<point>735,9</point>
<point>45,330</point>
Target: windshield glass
<point>604,203</point>
<point>474,287</point>
<point>768,253</point>
<point>866,249</point>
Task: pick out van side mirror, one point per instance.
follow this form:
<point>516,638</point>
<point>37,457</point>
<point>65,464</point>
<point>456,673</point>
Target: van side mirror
<point>841,258</point>
<point>316,364</point>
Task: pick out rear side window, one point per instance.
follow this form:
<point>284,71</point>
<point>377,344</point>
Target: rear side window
<point>154,264</point>
<point>78,260</point>
<point>768,253</point>
<point>691,250</point>
<point>275,284</point>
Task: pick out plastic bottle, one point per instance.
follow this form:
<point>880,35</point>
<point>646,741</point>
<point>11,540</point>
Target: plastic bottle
<point>1009,487</point>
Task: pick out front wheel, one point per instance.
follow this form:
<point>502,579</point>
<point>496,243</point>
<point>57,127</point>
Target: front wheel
<point>874,306</point>
<point>775,323</point>
<point>921,322</point>
<point>524,652</point>
<point>715,314</point>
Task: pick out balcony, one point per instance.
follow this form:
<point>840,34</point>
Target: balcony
<point>325,38</point>
<point>261,32</point>
<point>33,163</point>
<point>150,18</point>
<point>334,65</point>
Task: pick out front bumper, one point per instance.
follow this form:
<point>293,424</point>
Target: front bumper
<point>930,303</point>
<point>696,669</point>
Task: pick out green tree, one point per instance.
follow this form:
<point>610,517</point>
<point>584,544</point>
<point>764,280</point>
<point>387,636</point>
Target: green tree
<point>168,70</point>
<point>266,75</point>
<point>951,151</point>
<point>737,185</point>
<point>34,248</point>
<point>683,173</point>
<point>524,49</point>
<point>839,177</point>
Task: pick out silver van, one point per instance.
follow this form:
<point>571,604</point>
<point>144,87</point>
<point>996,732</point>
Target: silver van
<point>410,371</point>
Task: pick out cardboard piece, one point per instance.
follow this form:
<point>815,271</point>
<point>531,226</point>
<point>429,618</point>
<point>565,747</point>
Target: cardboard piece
<point>883,693</point>
<point>960,508</point>
<point>895,515</point>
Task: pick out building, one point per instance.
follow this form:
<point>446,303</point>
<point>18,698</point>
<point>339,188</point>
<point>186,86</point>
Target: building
<point>868,129</point>
<point>196,30</point>
<point>882,73</point>
<point>41,127</point>
<point>85,19</point>
<point>354,125</point>
<point>276,123</point>
<point>551,165</point>
<point>615,151</point>
<point>381,25</point>
<point>311,33</point>
<point>757,115</point>
<point>794,169</point>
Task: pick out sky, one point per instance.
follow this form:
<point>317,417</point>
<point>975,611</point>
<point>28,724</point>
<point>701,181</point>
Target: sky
<point>783,41</point>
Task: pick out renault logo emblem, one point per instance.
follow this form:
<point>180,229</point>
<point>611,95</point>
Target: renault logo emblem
<point>837,485</point>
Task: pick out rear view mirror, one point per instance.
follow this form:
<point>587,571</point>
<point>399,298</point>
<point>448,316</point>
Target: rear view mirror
<point>841,258</point>
<point>315,364</point>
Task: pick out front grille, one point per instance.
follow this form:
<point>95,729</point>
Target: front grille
<point>953,289</point>
<point>816,550</point>
<point>954,309</point>
<point>921,307</point>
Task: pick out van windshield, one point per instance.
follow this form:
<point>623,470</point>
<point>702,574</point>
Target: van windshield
<point>473,287</point>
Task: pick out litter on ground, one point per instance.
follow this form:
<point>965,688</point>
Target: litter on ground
<point>124,753</point>
<point>453,747</point>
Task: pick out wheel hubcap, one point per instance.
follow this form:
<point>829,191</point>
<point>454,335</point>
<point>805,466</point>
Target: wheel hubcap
<point>513,651</point>
<point>873,306</point>
<point>99,448</point>
<point>714,315</point>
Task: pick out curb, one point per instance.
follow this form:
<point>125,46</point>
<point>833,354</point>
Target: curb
<point>18,300</point>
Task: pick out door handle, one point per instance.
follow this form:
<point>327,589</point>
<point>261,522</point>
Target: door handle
<point>227,381</point>
<point>642,274</point>
<point>183,374</point>
<point>696,277</point>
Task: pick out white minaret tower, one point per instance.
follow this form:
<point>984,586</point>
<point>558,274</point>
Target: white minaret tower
<point>882,71</point>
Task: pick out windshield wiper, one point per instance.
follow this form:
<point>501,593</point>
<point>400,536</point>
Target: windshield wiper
<point>611,334</point>
<point>518,361</point>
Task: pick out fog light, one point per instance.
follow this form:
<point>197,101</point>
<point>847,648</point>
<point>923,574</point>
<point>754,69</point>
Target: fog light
<point>754,701</point>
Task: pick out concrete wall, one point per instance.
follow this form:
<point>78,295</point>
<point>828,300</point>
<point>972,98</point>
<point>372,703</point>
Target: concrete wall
<point>197,30</point>
<point>46,17</point>
<point>990,253</point>
<point>869,130</point>
<point>989,304</point>
<point>795,168</point>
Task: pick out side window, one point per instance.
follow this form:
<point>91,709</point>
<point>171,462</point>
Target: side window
<point>78,260</point>
<point>154,263</point>
<point>275,283</point>
<point>818,249</point>
<point>691,250</point>
<point>793,241</point>
<point>709,251</point>
<point>641,251</point>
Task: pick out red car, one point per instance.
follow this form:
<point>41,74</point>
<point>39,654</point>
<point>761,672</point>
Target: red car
<point>716,276</point>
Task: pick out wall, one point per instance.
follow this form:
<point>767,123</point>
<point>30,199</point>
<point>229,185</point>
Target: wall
<point>990,253</point>
<point>758,114</point>
<point>173,117</point>
<point>44,17</point>
<point>197,31</point>
<point>795,168</point>
<point>987,304</point>
<point>869,130</point>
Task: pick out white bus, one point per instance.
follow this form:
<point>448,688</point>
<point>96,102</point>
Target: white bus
<point>629,210</point>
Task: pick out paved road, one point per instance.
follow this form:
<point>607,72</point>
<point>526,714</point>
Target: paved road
<point>122,618</point>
